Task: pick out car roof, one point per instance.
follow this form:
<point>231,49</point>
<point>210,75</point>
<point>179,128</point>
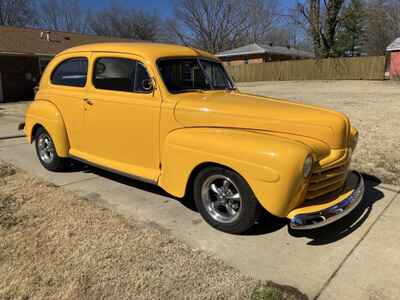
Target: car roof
<point>149,51</point>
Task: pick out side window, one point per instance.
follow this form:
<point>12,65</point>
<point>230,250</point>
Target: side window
<point>114,74</point>
<point>119,74</point>
<point>141,76</point>
<point>71,72</point>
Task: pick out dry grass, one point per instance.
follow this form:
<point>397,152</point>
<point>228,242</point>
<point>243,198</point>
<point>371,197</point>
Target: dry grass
<point>372,106</point>
<point>56,245</point>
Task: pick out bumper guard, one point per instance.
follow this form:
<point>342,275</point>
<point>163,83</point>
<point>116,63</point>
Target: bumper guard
<point>331,214</point>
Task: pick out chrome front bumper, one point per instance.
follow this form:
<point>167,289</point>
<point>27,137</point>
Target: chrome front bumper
<point>330,214</point>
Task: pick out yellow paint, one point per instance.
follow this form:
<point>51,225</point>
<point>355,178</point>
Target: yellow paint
<point>46,114</point>
<point>163,137</point>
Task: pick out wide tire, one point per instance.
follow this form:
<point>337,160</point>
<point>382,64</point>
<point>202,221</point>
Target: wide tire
<point>225,200</point>
<point>46,152</point>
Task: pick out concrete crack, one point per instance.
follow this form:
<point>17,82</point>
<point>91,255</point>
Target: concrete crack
<point>333,275</point>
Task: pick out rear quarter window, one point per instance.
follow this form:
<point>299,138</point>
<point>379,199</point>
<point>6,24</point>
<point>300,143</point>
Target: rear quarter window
<point>71,72</point>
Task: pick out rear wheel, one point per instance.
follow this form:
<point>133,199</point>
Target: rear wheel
<point>225,200</point>
<point>46,152</point>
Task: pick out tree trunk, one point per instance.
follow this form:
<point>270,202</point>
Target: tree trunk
<point>332,19</point>
<point>315,27</point>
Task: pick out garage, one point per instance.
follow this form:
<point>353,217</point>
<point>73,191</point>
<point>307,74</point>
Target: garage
<point>18,77</point>
<point>25,52</point>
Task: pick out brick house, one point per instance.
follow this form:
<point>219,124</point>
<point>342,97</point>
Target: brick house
<point>25,52</point>
<point>260,53</point>
<point>394,50</point>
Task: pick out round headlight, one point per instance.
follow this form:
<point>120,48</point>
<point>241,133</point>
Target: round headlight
<point>308,164</point>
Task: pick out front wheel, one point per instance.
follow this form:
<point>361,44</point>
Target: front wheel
<point>46,152</point>
<point>225,200</point>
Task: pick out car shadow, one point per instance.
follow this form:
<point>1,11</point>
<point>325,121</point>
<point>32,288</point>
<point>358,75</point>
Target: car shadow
<point>350,223</point>
<point>267,223</point>
<point>77,166</point>
<point>329,233</point>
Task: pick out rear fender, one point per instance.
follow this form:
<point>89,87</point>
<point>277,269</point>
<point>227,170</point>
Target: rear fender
<point>44,113</point>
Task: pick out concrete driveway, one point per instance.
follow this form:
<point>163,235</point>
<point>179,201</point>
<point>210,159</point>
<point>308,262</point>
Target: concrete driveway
<point>357,257</point>
<point>11,114</point>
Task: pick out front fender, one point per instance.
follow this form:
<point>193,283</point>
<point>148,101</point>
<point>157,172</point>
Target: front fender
<point>44,113</point>
<point>271,165</point>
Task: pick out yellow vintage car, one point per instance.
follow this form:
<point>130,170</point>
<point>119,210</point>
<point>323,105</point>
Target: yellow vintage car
<point>172,116</point>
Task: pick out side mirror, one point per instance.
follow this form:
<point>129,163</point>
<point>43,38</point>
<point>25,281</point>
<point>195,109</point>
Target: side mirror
<point>147,85</point>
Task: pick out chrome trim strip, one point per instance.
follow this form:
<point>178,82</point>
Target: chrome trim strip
<point>330,214</point>
<point>111,170</point>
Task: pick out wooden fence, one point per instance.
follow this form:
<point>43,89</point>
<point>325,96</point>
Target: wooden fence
<point>352,68</point>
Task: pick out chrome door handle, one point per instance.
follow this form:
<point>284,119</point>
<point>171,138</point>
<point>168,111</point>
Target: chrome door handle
<point>88,101</point>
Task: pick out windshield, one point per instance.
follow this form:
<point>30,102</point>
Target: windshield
<point>188,74</point>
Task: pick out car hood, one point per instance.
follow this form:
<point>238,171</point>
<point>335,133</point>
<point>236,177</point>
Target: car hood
<point>237,110</point>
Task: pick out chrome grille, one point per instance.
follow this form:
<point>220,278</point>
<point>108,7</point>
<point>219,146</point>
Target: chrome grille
<point>327,180</point>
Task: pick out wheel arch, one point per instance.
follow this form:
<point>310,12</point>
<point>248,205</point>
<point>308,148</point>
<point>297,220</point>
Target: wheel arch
<point>45,114</point>
<point>200,167</point>
<point>34,130</point>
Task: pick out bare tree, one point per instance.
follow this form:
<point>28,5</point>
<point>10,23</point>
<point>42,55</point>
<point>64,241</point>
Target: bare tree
<point>217,25</point>
<point>351,31</point>
<point>16,12</point>
<point>394,17</point>
<point>263,19</point>
<point>64,15</point>
<point>128,23</point>
<point>382,25</point>
<point>321,19</point>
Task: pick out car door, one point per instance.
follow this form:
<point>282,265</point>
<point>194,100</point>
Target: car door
<point>121,121</point>
<point>67,89</point>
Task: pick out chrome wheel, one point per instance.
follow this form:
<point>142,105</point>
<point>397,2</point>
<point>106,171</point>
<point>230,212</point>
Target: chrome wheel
<point>221,198</point>
<point>46,148</point>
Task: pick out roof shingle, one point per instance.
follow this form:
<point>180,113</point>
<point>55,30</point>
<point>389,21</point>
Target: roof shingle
<point>264,48</point>
<point>394,46</point>
<point>27,41</point>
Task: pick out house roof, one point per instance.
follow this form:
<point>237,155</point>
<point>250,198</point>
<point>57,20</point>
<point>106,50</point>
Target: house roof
<point>27,41</point>
<point>264,48</point>
<point>394,46</point>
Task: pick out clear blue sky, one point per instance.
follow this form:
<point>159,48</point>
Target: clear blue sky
<point>164,7</point>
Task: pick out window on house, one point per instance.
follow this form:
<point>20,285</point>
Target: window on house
<point>246,60</point>
<point>71,72</point>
